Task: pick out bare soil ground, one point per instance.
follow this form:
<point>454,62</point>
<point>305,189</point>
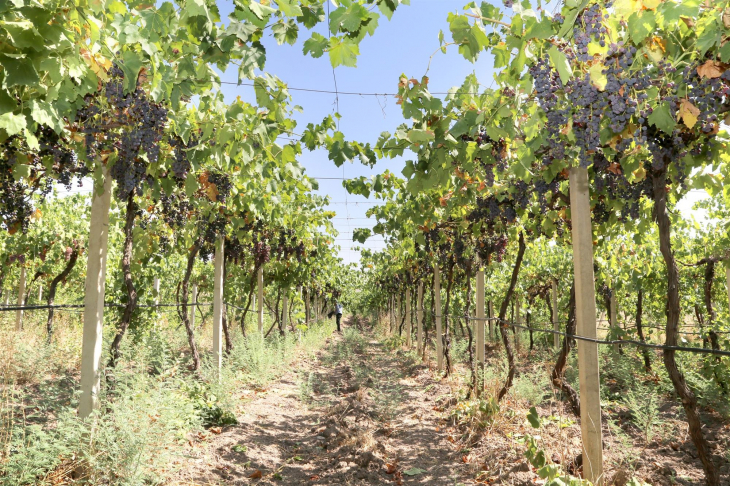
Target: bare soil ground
<point>358,414</point>
<point>363,413</point>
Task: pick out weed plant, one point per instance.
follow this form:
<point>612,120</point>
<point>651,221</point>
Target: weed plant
<point>148,407</point>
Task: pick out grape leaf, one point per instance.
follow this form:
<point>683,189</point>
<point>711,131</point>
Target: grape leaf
<point>18,72</point>
<point>661,118</point>
<point>688,113</point>
<point>252,57</point>
<point>315,45</point>
<point>533,418</point>
<point>289,8</point>
<point>560,62</point>
<point>641,24</point>
<point>597,77</point>
<point>414,470</point>
<point>343,52</point>
<point>12,123</point>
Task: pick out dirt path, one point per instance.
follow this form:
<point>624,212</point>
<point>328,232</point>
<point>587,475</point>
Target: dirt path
<point>359,414</point>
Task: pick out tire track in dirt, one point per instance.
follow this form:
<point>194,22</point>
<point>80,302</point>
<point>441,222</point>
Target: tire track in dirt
<point>359,414</point>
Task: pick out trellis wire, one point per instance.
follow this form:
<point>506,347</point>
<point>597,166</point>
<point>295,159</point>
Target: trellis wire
<point>610,342</point>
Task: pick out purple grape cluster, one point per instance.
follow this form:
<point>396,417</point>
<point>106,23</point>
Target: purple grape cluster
<point>130,124</point>
<point>589,26</point>
<point>223,185</point>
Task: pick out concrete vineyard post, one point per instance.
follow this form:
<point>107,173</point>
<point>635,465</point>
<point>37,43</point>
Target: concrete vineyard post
<point>40,293</point>
<point>7,299</point>
<point>94,298</point>
<point>192,307</point>
<point>518,321</point>
<point>480,323</point>
<point>260,299</point>
<point>437,316</point>
<point>492,337</point>
<point>21,292</point>
<point>614,317</point>
<point>284,309</point>
<point>218,304</point>
<point>556,321</point>
<point>419,318</point>
<point>727,277</point>
<point>409,342</point>
<point>157,290</point>
<point>585,303</point>
<point>306,306</point>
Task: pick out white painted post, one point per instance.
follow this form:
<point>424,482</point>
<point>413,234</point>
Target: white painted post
<point>479,324</point>
<point>491,321</point>
<point>94,298</point>
<point>21,293</point>
<point>409,342</point>
<point>157,290</point>
<point>419,318</point>
<point>7,299</point>
<point>191,309</point>
<point>260,299</point>
<point>518,321</point>
<point>218,304</point>
<point>437,312</point>
<point>307,314</point>
<point>612,317</point>
<point>40,293</point>
<point>727,277</point>
<point>284,309</point>
<point>585,299</point>
<point>556,321</point>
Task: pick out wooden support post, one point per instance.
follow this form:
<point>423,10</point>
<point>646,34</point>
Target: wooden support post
<point>613,318</point>
<point>479,326</point>
<point>218,304</point>
<point>397,313</point>
<point>437,316</point>
<point>419,318</point>
<point>409,328</point>
<point>260,299</point>
<point>94,297</point>
<point>192,307</point>
<point>21,302</point>
<point>585,302</point>
<point>556,321</point>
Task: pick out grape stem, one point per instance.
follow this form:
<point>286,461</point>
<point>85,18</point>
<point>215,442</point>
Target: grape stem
<point>487,19</point>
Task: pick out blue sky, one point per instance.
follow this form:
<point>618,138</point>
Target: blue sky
<point>402,45</point>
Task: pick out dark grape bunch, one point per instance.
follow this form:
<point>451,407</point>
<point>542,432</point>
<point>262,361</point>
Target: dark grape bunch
<point>181,162</point>
<point>176,209</point>
<point>16,258</point>
<point>589,26</point>
<point>261,253</point>
<point>490,210</point>
<point>17,196</point>
<point>132,125</point>
<point>491,247</point>
<point>222,183</point>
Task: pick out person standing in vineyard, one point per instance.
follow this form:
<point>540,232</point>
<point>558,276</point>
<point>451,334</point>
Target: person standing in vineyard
<point>338,314</point>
